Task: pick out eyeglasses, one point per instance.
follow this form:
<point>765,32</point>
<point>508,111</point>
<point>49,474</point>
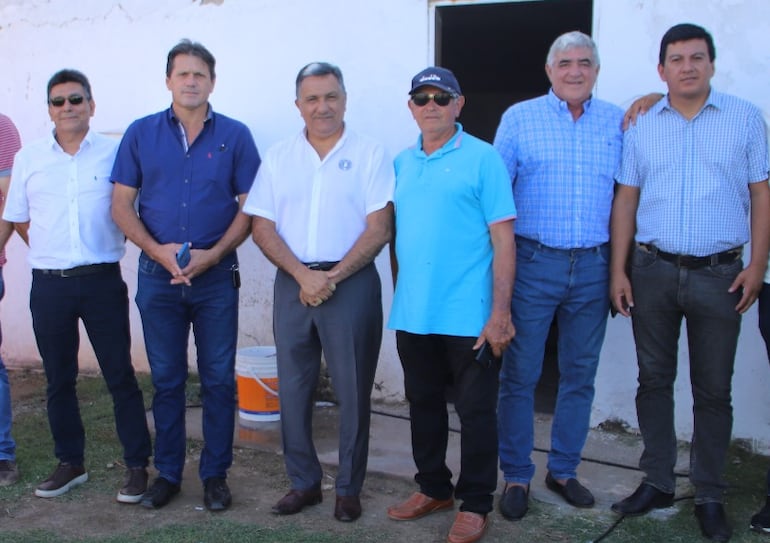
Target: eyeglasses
<point>441,98</point>
<point>74,99</point>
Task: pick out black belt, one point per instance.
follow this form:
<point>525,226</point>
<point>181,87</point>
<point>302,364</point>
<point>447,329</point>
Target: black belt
<point>77,271</point>
<point>693,262</point>
<point>321,266</point>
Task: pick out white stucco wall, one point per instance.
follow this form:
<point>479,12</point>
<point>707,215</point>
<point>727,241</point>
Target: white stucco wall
<point>260,45</point>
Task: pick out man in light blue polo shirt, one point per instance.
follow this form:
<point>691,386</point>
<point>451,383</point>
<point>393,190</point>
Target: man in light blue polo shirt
<point>561,150</point>
<point>453,266</point>
<point>692,168</point>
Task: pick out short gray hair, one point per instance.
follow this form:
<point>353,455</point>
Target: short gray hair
<point>319,69</point>
<point>571,40</point>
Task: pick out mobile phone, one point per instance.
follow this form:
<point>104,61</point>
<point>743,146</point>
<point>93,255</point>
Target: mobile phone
<point>485,356</point>
<point>183,255</point>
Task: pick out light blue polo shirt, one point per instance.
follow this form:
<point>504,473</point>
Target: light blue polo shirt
<point>444,205</point>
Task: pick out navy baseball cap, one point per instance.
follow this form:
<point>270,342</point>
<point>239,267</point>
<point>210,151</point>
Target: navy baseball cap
<point>438,77</point>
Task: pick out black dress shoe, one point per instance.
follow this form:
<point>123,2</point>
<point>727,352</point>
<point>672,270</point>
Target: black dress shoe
<point>644,499</point>
<point>216,494</point>
<point>159,494</point>
<point>347,508</point>
<point>712,520</point>
<point>573,492</point>
<point>514,502</point>
<point>295,500</point>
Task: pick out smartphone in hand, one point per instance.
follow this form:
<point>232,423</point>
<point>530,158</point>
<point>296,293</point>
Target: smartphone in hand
<point>183,255</point>
<point>485,356</point>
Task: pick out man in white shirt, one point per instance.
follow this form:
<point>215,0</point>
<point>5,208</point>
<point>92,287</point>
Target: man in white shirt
<point>60,198</point>
<point>322,212</point>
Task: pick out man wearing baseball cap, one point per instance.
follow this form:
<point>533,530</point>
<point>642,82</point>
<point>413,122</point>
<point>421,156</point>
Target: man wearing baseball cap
<point>453,264</point>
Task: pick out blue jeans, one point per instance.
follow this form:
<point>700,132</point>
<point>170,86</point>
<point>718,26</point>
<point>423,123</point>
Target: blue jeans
<point>663,295</point>
<point>7,445</point>
<point>572,286</point>
<point>210,305</point>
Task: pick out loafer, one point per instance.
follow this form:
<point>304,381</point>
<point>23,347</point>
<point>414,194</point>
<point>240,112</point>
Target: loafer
<point>572,491</point>
<point>216,494</point>
<point>63,478</point>
<point>761,521</point>
<point>417,506</point>
<point>134,486</point>
<point>159,494</point>
<point>295,500</point>
<point>467,528</point>
<point>713,522</point>
<point>644,499</point>
<point>347,508</point>
<point>514,502</point>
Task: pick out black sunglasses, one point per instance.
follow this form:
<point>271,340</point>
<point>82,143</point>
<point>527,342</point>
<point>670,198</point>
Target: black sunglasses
<point>74,99</point>
<point>441,98</point>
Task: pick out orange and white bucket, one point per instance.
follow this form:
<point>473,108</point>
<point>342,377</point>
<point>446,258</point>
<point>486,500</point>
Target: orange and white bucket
<point>256,374</point>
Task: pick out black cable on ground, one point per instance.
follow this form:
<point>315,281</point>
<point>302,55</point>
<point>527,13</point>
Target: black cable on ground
<point>608,463</point>
<point>621,518</point>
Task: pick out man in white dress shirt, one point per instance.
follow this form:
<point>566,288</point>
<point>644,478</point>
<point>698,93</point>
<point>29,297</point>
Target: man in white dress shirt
<point>60,198</point>
<point>322,211</point>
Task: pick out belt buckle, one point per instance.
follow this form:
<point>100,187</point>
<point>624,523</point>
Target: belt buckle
<point>314,266</point>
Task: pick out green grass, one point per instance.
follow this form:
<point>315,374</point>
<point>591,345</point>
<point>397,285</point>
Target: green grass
<point>216,531</point>
<point>545,523</point>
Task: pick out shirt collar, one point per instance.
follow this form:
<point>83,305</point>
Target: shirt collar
<point>453,143</point>
<point>87,140</point>
<point>562,106</point>
<point>715,99</point>
<point>172,116</point>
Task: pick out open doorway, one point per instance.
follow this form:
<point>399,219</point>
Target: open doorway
<point>498,51</point>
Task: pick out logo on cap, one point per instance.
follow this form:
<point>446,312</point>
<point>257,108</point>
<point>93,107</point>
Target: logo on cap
<point>430,77</point>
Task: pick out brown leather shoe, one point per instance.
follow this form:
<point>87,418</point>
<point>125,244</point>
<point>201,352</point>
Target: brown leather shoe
<point>295,500</point>
<point>467,528</point>
<point>418,505</point>
<point>347,508</point>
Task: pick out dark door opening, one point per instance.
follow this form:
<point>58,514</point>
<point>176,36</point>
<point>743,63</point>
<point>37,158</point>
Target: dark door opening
<point>498,53</point>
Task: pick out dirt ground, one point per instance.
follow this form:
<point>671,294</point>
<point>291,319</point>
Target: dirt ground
<point>257,480</point>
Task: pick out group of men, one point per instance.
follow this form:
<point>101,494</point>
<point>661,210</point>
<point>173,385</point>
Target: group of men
<point>322,204</point>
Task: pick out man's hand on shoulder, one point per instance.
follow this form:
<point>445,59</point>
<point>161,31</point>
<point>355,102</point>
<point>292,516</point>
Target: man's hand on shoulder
<point>640,107</point>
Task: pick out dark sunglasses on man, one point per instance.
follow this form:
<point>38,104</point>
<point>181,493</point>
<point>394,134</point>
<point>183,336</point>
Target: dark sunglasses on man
<point>441,98</point>
<point>74,99</point>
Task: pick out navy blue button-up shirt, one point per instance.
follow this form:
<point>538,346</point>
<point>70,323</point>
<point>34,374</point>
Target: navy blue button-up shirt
<point>187,194</point>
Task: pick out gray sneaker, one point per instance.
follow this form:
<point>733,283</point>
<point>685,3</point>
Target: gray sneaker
<point>63,478</point>
<point>134,486</point>
<point>9,472</point>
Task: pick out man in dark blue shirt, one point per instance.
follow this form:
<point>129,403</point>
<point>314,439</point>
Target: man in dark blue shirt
<point>191,169</point>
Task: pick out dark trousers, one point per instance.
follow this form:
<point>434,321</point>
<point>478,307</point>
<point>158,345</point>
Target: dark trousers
<point>101,301</point>
<point>430,363</point>
<point>764,329</point>
<point>348,328</point>
<point>664,294</point>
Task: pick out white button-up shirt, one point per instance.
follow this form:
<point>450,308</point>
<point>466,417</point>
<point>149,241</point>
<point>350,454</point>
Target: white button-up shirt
<point>67,200</point>
<point>320,206</point>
